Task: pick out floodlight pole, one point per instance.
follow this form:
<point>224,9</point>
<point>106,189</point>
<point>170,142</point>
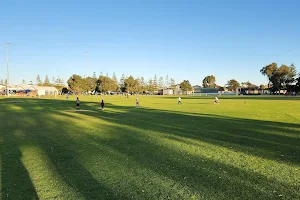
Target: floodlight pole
<point>86,62</point>
<point>7,80</point>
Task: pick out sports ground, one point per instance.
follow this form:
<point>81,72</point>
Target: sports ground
<point>243,148</point>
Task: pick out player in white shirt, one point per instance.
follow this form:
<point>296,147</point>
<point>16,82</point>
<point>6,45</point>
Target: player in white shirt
<point>179,101</point>
<point>217,101</point>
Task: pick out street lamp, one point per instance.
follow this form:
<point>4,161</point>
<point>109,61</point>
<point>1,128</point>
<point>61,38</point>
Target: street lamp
<point>86,53</point>
<point>7,81</point>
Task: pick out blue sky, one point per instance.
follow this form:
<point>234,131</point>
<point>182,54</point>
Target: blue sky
<point>182,39</point>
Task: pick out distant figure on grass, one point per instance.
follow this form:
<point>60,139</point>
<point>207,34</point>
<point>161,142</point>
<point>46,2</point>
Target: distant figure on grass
<point>217,101</point>
<point>77,103</point>
<point>179,101</point>
<point>137,103</point>
<point>67,96</point>
<point>102,104</point>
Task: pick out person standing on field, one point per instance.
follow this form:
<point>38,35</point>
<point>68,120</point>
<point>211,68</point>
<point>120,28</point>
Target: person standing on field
<point>77,103</point>
<point>217,101</point>
<point>179,101</point>
<point>102,104</point>
<point>137,103</point>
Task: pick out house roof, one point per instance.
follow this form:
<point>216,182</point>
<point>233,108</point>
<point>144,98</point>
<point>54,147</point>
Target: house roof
<point>34,87</point>
<point>45,88</point>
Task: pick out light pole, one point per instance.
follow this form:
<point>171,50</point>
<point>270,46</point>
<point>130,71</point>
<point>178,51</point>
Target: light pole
<point>7,81</point>
<point>86,62</point>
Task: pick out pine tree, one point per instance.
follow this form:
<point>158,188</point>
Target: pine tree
<point>107,74</point>
<point>161,83</point>
<point>115,80</point>
<point>172,83</point>
<point>94,75</point>
<point>23,82</point>
<point>122,80</point>
<point>62,82</point>
<point>57,82</point>
<point>38,80</point>
<point>1,82</point>
<point>115,77</point>
<point>167,82</point>
<point>151,85</point>
<point>155,86</point>
<point>46,82</point>
<point>54,81</point>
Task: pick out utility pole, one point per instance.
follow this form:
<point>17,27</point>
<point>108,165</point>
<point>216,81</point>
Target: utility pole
<point>7,80</point>
<point>86,63</point>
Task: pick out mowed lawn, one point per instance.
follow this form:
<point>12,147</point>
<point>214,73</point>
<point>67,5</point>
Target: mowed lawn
<point>244,148</point>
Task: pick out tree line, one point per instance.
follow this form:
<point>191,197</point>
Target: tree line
<point>279,78</point>
<point>104,83</point>
<point>283,77</point>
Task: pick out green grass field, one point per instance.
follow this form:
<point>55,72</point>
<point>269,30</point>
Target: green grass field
<point>244,148</point>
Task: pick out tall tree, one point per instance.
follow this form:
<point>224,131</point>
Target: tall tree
<point>297,85</point>
<point>150,85</point>
<point>30,83</point>
<point>58,84</point>
<point>122,83</point>
<point>94,75</point>
<point>131,85</point>
<point>186,86</point>
<point>269,71</point>
<point>1,82</point>
<point>209,82</point>
<point>290,78</point>
<point>89,84</point>
<point>114,77</point>
<point>161,83</point>
<point>281,77</point>
<point>155,85</point>
<point>38,81</point>
<point>107,84</point>
<point>232,85</point>
<point>244,84</point>
<point>62,83</point>
<point>23,82</point>
<point>46,82</point>
<point>262,87</point>
<point>143,84</point>
<point>167,82</point>
<point>54,81</point>
<point>172,83</point>
<point>75,83</point>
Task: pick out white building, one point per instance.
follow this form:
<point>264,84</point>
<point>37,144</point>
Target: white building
<point>168,91</point>
<point>44,90</point>
<point>39,90</point>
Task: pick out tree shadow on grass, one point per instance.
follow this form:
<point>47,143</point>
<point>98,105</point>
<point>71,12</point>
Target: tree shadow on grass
<point>271,140</point>
<point>15,180</point>
<point>212,179</point>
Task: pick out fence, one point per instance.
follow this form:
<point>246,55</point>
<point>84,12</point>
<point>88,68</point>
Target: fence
<point>214,94</point>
